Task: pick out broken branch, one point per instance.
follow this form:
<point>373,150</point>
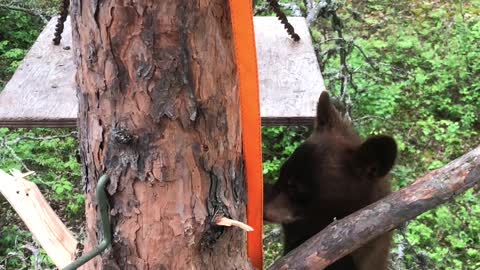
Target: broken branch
<point>223,221</point>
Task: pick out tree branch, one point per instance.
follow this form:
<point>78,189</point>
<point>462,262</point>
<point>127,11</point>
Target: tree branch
<point>25,10</point>
<point>342,237</point>
<point>72,134</point>
<point>314,10</point>
<point>275,235</point>
<point>5,145</point>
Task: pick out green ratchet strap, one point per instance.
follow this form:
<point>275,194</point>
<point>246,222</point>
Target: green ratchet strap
<point>102,201</point>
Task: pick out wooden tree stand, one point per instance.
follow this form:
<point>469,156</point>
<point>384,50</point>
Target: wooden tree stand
<point>42,92</point>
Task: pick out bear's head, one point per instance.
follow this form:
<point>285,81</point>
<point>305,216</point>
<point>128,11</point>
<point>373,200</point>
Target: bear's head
<point>332,174</point>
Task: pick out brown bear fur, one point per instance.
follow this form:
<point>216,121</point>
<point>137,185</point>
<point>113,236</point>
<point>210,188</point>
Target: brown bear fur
<point>331,175</point>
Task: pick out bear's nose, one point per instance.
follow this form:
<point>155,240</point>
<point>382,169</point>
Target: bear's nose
<point>278,209</point>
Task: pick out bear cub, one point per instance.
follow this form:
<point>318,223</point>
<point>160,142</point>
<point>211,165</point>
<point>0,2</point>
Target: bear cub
<point>331,175</point>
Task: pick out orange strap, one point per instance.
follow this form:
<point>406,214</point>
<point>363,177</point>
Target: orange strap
<point>246,59</point>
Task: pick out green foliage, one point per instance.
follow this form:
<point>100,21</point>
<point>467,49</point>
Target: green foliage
<point>16,250</point>
<point>454,235</point>
<point>10,253</point>
<point>436,97</point>
<point>57,176</point>
<point>275,246</point>
<point>17,33</point>
<point>279,144</point>
<point>58,171</point>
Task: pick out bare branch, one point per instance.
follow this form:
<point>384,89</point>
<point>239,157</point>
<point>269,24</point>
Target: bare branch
<point>7,144</point>
<point>4,144</point>
<point>331,39</point>
<point>342,237</point>
<point>273,236</point>
<point>420,259</point>
<point>25,10</point>
<point>314,10</point>
<point>72,134</point>
<point>310,4</point>
<point>36,254</point>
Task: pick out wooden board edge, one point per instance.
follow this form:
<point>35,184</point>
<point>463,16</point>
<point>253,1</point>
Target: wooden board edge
<point>67,123</point>
<point>287,121</point>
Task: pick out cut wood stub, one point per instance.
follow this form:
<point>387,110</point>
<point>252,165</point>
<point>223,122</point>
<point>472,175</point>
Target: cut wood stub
<point>41,93</point>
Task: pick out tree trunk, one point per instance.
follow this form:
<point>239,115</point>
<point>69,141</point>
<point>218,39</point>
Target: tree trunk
<point>159,113</point>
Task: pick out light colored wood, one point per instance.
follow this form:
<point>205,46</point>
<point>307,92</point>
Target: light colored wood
<point>290,78</point>
<point>228,222</point>
<point>46,227</point>
<point>41,93</point>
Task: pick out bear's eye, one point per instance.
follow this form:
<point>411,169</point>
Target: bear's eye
<point>296,192</point>
<point>291,186</point>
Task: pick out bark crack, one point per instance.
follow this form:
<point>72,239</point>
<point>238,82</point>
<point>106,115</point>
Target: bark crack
<point>187,58</point>
<point>215,208</point>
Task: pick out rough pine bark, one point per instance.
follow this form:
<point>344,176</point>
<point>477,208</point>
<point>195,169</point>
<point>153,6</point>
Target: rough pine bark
<point>159,112</point>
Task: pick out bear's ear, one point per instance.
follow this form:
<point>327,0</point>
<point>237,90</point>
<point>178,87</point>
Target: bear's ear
<point>375,157</point>
<point>326,114</point>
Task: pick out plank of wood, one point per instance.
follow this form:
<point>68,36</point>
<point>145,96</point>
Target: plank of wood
<point>46,227</point>
<point>41,93</point>
<point>289,74</point>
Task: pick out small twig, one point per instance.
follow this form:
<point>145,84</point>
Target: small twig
<point>273,236</point>
<point>399,260</point>
<point>333,39</point>
<point>35,253</point>
<point>310,4</point>
<point>223,221</point>
<point>14,255</point>
<point>368,59</point>
<point>419,258</point>
<point>18,174</point>
<point>72,134</point>
<point>370,117</point>
<point>14,155</point>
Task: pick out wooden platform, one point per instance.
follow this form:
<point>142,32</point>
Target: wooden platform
<point>290,78</point>
<point>41,93</point>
